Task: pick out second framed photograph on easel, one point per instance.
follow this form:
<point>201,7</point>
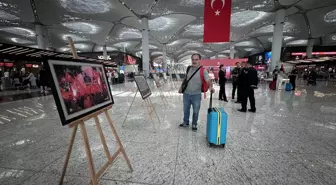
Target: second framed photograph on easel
<point>143,86</point>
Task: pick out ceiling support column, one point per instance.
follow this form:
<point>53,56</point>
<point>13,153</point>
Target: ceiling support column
<point>232,52</point>
<point>164,59</point>
<point>277,38</point>
<point>41,36</point>
<point>310,46</point>
<point>105,52</point>
<point>145,46</point>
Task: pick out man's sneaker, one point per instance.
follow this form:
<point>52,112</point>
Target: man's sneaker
<point>184,125</point>
<point>194,128</point>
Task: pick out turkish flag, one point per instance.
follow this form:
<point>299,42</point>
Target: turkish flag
<point>217,20</point>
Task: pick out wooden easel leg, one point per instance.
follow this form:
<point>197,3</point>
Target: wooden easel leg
<point>118,141</point>
<point>102,139</point>
<point>72,140</point>
<point>150,109</point>
<point>129,109</point>
<point>154,109</point>
<point>88,154</point>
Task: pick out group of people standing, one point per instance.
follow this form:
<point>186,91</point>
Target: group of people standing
<point>244,81</point>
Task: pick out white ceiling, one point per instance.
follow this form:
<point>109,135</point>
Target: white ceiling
<point>176,24</point>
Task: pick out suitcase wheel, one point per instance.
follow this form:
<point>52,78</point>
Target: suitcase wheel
<point>223,145</point>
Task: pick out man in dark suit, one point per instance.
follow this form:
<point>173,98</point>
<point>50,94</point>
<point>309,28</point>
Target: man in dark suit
<point>249,83</point>
<point>222,80</point>
<point>241,81</point>
<point>235,72</point>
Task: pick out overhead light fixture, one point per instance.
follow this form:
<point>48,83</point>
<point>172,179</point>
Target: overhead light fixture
<point>100,48</point>
<point>156,53</point>
<point>129,33</point>
<point>19,31</point>
<point>161,23</point>
<point>21,41</point>
<point>248,49</point>
<point>174,43</point>
<point>194,30</point>
<point>87,6</point>
<point>64,49</point>
<point>80,46</point>
<point>74,37</point>
<point>191,3</point>
<point>286,38</point>
<point>83,27</point>
<point>150,47</point>
<point>194,45</point>
<point>123,44</point>
<point>244,18</point>
<point>333,37</point>
<point>330,17</point>
<point>244,43</point>
<point>139,53</point>
<point>7,16</point>
<point>298,42</point>
<point>289,28</point>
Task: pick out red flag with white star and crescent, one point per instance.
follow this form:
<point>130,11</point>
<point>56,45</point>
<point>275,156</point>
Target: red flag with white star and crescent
<point>217,20</point>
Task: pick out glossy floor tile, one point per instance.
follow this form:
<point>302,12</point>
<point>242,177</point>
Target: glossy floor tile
<point>290,140</point>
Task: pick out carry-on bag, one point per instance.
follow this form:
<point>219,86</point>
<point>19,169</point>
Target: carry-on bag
<point>288,87</point>
<point>216,125</point>
<point>272,85</point>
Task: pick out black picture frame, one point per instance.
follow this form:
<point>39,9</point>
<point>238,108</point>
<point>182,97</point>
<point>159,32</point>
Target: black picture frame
<point>143,86</point>
<point>65,116</point>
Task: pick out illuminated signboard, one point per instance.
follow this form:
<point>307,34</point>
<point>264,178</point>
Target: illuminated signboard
<point>9,64</point>
<point>314,53</point>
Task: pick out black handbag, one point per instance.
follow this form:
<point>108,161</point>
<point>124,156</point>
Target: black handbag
<point>185,81</point>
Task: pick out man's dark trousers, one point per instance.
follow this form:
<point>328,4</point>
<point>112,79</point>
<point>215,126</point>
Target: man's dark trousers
<point>234,88</point>
<point>248,93</point>
<point>222,95</point>
<point>292,81</point>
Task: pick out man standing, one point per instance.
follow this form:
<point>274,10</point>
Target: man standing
<point>241,82</point>
<point>235,73</point>
<point>249,83</point>
<point>292,78</point>
<point>222,81</point>
<point>192,90</point>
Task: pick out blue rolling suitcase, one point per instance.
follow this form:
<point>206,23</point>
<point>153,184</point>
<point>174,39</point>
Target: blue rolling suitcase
<point>216,125</point>
<point>288,87</point>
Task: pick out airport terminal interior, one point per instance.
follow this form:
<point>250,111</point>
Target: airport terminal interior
<point>89,92</point>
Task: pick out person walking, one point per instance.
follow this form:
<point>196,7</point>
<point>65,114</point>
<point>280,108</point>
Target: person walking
<point>249,83</point>
<point>235,73</point>
<point>192,90</point>
<point>44,80</point>
<point>292,77</point>
<point>222,81</point>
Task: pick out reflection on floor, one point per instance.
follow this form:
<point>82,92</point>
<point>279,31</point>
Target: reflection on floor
<point>290,140</point>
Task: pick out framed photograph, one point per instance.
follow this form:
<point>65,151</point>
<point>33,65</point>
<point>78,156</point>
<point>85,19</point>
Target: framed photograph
<point>143,86</point>
<point>79,88</point>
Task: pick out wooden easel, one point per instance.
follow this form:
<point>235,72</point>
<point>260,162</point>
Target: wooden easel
<point>110,158</point>
<point>162,96</point>
<point>150,109</point>
<point>81,123</point>
<point>161,93</point>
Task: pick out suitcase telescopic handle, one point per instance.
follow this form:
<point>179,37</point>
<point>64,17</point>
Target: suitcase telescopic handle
<point>210,104</point>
